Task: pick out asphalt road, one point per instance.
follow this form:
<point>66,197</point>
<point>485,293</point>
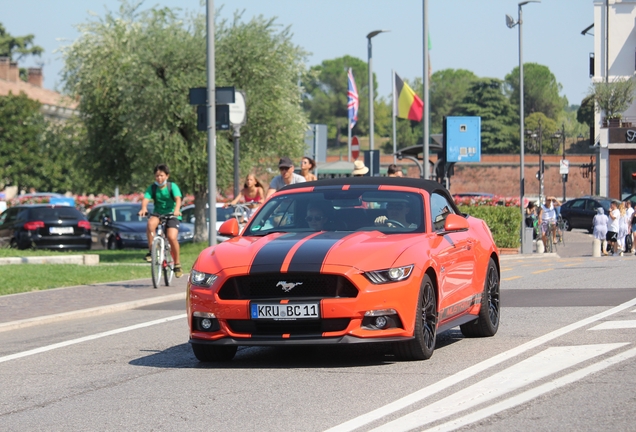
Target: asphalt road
<point>563,359</point>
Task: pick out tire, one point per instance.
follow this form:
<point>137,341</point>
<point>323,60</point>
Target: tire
<point>168,270</point>
<point>210,353</point>
<point>421,347</point>
<point>567,225</point>
<point>156,254</point>
<point>112,244</point>
<point>487,323</point>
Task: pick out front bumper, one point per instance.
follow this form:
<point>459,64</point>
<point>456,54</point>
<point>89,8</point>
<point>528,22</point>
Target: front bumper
<point>342,319</point>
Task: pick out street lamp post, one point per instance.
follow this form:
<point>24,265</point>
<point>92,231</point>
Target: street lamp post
<point>559,135</point>
<point>371,132</point>
<point>510,22</point>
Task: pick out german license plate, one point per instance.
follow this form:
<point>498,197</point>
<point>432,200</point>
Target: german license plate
<point>289,311</point>
<point>61,230</point>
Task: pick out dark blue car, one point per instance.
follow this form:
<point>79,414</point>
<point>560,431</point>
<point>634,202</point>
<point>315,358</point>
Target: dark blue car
<point>118,226</point>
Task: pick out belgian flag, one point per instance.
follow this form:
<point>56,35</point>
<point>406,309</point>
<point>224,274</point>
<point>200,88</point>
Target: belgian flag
<point>408,104</point>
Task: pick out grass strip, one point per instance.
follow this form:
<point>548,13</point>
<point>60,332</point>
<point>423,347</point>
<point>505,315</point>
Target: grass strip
<point>114,266</point>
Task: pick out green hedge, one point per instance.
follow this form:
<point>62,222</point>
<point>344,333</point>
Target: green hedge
<point>504,223</point>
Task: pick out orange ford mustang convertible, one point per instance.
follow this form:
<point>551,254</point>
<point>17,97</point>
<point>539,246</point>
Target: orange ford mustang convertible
<point>346,260</point>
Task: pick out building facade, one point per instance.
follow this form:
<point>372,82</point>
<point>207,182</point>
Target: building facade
<point>614,58</point>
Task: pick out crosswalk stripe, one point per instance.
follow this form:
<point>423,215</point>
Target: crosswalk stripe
<point>526,372</point>
<point>89,338</point>
<point>533,393</point>
<point>449,381</point>
<point>614,325</point>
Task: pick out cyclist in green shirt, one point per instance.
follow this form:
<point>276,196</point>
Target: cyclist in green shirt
<point>166,200</point>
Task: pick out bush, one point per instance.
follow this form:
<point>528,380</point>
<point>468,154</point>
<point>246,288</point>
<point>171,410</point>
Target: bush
<point>504,223</point>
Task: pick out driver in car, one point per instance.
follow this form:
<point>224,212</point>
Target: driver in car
<point>396,216</point>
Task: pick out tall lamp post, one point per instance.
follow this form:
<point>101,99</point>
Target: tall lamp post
<point>510,22</point>
<point>560,135</point>
<point>371,132</point>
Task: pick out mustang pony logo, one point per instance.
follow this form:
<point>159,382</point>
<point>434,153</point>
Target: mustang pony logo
<point>288,286</point>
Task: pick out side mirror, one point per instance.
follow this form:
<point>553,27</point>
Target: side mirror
<point>455,222</point>
<point>229,228</point>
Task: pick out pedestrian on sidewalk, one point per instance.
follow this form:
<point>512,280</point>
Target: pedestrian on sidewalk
<point>622,228</point>
<point>612,227</point>
<point>600,222</point>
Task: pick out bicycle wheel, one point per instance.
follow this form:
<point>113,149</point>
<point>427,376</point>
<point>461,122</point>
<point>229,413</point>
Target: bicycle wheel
<point>157,261</point>
<point>168,266</point>
<point>553,238</point>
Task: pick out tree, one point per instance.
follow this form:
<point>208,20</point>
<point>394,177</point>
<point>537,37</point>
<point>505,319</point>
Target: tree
<point>540,89</point>
<point>326,97</point>
<point>17,47</point>
<point>585,113</point>
<point>21,128</point>
<point>485,98</point>
<point>449,87</point>
<point>614,97</point>
<point>132,72</point>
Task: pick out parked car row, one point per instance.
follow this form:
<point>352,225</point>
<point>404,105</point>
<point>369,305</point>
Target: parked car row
<point>50,226</point>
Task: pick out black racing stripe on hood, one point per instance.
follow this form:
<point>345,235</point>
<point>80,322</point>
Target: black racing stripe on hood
<point>311,254</point>
<point>271,256</point>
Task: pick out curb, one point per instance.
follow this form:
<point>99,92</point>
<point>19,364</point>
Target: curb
<point>528,256</point>
<point>86,259</point>
<point>83,313</point>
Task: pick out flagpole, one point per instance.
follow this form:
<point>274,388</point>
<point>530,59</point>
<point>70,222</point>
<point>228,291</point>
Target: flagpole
<point>349,138</point>
<point>425,85</point>
<point>394,113</point>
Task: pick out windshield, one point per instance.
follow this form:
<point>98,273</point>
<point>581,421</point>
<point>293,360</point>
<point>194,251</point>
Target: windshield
<point>357,209</point>
<point>129,213</point>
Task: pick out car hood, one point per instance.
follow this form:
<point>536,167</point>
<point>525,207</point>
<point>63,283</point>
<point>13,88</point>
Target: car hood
<point>307,251</point>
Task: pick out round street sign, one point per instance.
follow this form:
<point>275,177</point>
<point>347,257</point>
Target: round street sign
<point>355,148</point>
<point>237,109</point>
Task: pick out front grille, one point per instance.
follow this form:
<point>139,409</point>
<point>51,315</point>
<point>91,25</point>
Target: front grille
<point>298,328</point>
<point>269,286</point>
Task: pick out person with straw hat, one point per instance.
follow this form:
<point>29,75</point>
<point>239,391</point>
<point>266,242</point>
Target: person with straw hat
<point>359,169</point>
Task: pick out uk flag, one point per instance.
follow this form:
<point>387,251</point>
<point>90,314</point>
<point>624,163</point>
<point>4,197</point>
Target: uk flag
<point>353,103</point>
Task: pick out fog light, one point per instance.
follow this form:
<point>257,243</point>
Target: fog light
<point>206,324</point>
<point>380,322</point>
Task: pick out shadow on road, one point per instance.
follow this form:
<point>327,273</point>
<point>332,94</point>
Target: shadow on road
<point>290,357</point>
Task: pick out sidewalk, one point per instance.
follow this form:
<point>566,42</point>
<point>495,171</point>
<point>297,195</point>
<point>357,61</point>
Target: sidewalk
<point>37,307</point>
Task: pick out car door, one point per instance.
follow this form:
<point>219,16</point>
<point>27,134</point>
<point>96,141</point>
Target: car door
<point>455,254</point>
<point>98,229</point>
<point>7,219</point>
<point>577,213</point>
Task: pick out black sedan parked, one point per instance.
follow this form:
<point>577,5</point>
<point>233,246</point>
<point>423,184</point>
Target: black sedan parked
<point>118,226</point>
<point>44,226</point>
<point>579,212</point>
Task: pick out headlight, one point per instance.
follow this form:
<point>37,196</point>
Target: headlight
<point>201,279</point>
<point>393,274</point>
<point>186,235</point>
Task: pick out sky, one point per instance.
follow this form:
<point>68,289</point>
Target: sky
<point>465,34</point>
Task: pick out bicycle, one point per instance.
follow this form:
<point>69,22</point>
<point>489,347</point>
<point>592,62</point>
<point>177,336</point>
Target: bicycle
<point>551,235</point>
<point>560,231</point>
<point>161,255</point>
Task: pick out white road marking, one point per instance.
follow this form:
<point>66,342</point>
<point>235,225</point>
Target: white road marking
<point>530,370</point>
<point>533,393</point>
<point>450,381</point>
<point>613,325</point>
<point>88,338</point>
